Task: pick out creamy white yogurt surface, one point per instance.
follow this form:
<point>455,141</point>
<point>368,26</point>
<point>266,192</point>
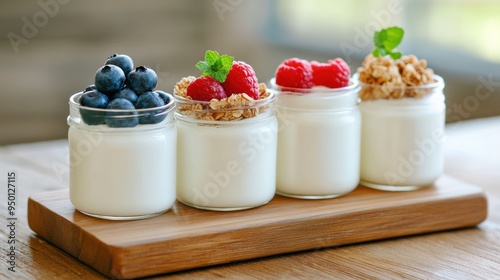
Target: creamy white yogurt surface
<point>402,141</point>
<point>227,166</point>
<point>122,172</point>
<point>318,143</point>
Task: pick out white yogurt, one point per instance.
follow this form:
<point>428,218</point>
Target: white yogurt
<point>318,142</point>
<point>402,141</point>
<point>122,173</point>
<point>226,165</point>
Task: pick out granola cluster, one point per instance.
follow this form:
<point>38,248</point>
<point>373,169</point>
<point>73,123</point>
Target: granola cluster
<point>233,108</point>
<point>389,79</point>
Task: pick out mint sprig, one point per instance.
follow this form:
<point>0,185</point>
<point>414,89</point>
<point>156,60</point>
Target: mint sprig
<point>215,65</point>
<point>386,41</point>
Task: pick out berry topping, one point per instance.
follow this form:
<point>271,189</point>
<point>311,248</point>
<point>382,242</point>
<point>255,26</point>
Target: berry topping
<point>123,61</point>
<point>294,73</point>
<point>142,79</point>
<point>146,100</point>
<point>109,79</point>
<point>126,93</point>
<point>115,90</point>
<point>205,89</point>
<point>89,88</point>
<point>241,79</point>
<point>93,99</point>
<point>163,95</point>
<point>333,74</point>
<point>120,120</point>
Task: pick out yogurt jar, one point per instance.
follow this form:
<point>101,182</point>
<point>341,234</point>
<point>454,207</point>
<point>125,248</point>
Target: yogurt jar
<point>318,141</point>
<point>226,156</point>
<point>122,173</point>
<point>402,139</point>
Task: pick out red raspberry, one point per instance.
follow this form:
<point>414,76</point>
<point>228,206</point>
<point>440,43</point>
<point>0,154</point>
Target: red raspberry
<point>333,74</point>
<point>205,89</point>
<point>241,79</point>
<point>294,73</point>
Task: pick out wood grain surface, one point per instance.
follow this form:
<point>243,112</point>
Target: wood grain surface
<point>472,156</point>
<point>186,238</point>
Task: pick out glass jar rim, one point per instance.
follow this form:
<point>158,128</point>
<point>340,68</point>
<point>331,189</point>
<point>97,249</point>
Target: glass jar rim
<point>206,104</point>
<point>353,84</point>
<point>439,83</point>
<point>74,102</point>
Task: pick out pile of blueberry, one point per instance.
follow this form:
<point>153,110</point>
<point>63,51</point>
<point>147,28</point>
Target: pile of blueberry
<point>119,86</point>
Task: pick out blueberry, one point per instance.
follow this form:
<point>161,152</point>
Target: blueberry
<point>89,88</point>
<point>109,79</point>
<point>121,119</point>
<point>150,99</point>
<point>163,95</point>
<point>125,93</point>
<point>93,99</point>
<point>142,79</point>
<point>123,61</point>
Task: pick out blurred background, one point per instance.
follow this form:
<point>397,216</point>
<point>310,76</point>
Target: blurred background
<point>51,49</point>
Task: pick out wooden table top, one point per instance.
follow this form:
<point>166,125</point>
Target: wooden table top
<point>472,156</point>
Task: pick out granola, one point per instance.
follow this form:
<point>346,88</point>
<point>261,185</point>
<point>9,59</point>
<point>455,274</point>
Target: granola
<point>386,78</point>
<point>233,108</point>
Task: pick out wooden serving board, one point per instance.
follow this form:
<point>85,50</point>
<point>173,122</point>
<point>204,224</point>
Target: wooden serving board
<point>185,237</point>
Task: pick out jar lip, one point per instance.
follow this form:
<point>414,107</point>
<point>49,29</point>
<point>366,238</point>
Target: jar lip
<point>206,104</point>
<point>74,102</point>
<point>353,84</point>
<point>232,110</point>
<point>439,83</point>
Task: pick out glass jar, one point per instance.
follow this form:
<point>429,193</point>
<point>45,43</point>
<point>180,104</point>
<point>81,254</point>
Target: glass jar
<point>226,157</point>
<point>402,139</point>
<point>121,173</point>
<point>318,141</point>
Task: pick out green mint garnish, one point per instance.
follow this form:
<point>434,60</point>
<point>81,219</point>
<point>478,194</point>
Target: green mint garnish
<point>215,65</point>
<point>386,41</point>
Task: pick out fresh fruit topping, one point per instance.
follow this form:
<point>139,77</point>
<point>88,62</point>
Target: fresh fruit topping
<point>142,79</point>
<point>123,61</point>
<point>93,99</point>
<point>111,83</point>
<point>215,65</point>
<point>126,93</point>
<point>386,41</point>
<point>146,100</point>
<point>121,119</point>
<point>294,73</point>
<point>109,79</point>
<point>241,79</point>
<point>89,88</point>
<point>163,95</point>
<point>333,74</point>
<point>205,89</point>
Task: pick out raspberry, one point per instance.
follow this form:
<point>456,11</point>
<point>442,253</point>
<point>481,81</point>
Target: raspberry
<point>294,73</point>
<point>205,89</point>
<point>333,74</point>
<point>241,79</point>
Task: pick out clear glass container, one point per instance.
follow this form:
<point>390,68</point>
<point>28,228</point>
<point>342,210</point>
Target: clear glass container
<point>402,139</point>
<point>122,173</point>
<point>226,165</point>
<point>318,141</point>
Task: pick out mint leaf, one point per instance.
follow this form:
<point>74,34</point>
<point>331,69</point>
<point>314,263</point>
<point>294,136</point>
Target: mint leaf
<point>396,55</point>
<point>203,66</point>
<point>386,41</point>
<point>215,65</point>
<point>392,37</point>
<point>378,40</point>
<point>211,56</point>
